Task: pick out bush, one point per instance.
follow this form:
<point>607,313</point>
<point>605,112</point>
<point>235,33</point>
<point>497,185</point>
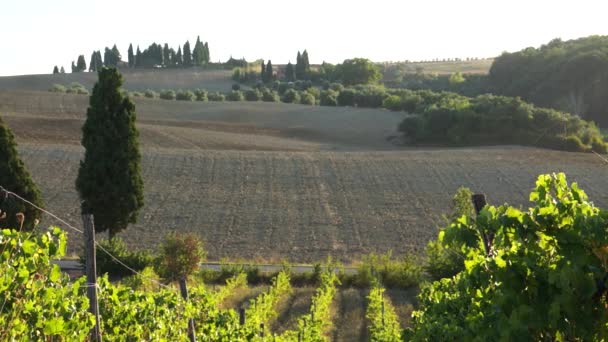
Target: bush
<point>291,96</point>
<point>57,88</point>
<point>136,94</point>
<point>185,95</point>
<point>347,97</point>
<point>270,96</point>
<point>329,98</point>
<point>370,97</point>
<point>147,280</point>
<point>137,260</point>
<point>314,92</point>
<point>253,95</point>
<point>236,87</point>
<point>337,87</point>
<point>390,272</point>
<point>283,87</point>
<point>201,95</point>
<point>393,103</point>
<point>235,95</point>
<point>167,94</point>
<point>307,98</point>
<point>151,94</point>
<point>216,97</point>
<point>180,256</point>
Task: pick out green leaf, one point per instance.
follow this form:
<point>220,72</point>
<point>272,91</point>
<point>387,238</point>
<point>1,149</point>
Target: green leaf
<point>54,326</point>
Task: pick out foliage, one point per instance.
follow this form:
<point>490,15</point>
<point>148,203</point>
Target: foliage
<point>567,75</point>
<point>38,301</point>
<point>329,98</point>
<point>185,95</point>
<point>57,88</point>
<point>109,180</point>
<point>146,280</point>
<point>216,97</point>
<point>358,71</point>
<point>151,94</point>
<point>261,308</point>
<point>14,177</point>
<point>270,96</point>
<point>291,96</point>
<point>383,321</point>
<point>347,97</point>
<point>534,275</point>
<point>236,86</point>
<point>180,256</point>
<point>167,94</point>
<point>253,95</point>
<point>307,98</point>
<point>235,95</point>
<point>452,119</point>
<point>390,272</point>
<point>201,95</point>
<point>137,260</point>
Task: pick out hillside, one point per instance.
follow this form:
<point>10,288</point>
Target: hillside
<point>272,181</point>
<point>135,80</point>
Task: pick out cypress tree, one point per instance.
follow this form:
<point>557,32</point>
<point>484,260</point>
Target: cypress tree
<point>131,56</point>
<point>62,70</point>
<point>305,65</point>
<point>197,53</point>
<point>109,179</point>
<point>178,56</point>
<point>55,70</point>
<point>166,55</point>
<point>14,177</point>
<point>93,62</point>
<point>138,58</point>
<point>207,58</point>
<point>187,54</point>
<point>269,72</point>
<point>74,67</point>
<point>81,64</point>
<point>299,71</point>
<point>290,73</point>
<point>263,72</point>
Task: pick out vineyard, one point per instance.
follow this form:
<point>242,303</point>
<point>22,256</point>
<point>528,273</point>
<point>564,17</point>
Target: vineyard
<point>41,303</point>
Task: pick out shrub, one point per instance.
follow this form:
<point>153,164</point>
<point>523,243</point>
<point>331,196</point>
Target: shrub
<point>137,260</point>
<point>337,87</point>
<point>347,97</point>
<point>216,97</point>
<point>370,97</point>
<point>146,280</point>
<point>314,92</point>
<point>393,103</point>
<point>291,96</point>
<point>201,95</point>
<point>598,145</point>
<point>307,98</point>
<point>326,85</point>
<point>167,94</point>
<point>185,95</point>
<point>392,273</point>
<point>180,256</point>
<point>236,87</point>
<point>235,95</point>
<point>283,87</point>
<point>57,88</point>
<point>136,94</point>
<point>253,95</point>
<point>329,98</point>
<point>270,96</point>
<point>151,94</point>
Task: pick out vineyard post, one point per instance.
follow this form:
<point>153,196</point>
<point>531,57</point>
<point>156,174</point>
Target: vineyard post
<point>261,329</point>
<point>184,291</point>
<point>479,201</point>
<point>241,316</point>
<point>91,270</point>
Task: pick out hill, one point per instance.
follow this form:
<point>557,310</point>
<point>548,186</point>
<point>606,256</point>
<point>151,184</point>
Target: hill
<point>272,181</point>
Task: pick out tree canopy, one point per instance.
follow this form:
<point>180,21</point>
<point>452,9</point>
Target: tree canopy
<point>358,71</point>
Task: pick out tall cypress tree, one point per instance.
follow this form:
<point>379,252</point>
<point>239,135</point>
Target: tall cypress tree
<point>62,70</point>
<point>15,178</point>
<point>197,53</point>
<point>263,72</point>
<point>81,64</point>
<point>138,57</point>
<point>207,57</point>
<point>167,55</point>
<point>131,56</point>
<point>74,67</point>
<point>109,180</point>
<point>93,62</point>
<point>55,70</point>
<point>290,73</point>
<point>305,65</point>
<point>178,56</point>
<point>299,69</point>
<point>269,72</point>
<point>187,54</point>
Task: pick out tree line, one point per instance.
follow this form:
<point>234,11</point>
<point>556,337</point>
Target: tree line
<point>156,55</point>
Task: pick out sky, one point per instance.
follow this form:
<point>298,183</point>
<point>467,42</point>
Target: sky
<point>36,35</point>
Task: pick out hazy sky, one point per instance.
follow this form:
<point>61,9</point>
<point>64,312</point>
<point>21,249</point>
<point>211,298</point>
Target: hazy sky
<point>36,35</point>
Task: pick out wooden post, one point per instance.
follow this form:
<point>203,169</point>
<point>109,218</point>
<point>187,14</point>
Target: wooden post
<point>382,311</point>
<point>479,201</point>
<point>261,329</point>
<point>241,316</point>
<point>184,291</point>
<point>91,270</point>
